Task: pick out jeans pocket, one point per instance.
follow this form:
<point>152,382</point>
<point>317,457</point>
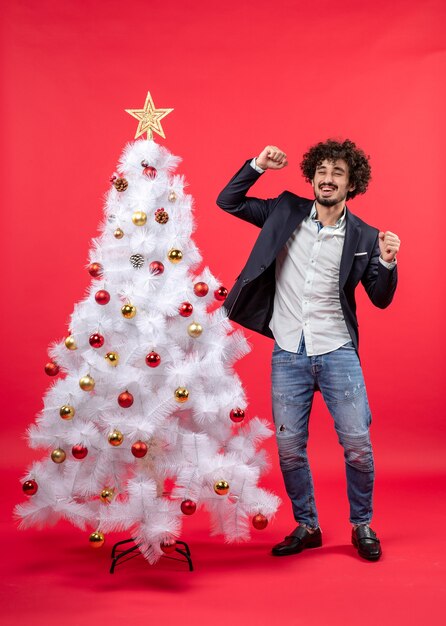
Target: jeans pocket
<point>280,356</point>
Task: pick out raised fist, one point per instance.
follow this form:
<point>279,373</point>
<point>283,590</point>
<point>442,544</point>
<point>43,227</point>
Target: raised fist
<point>389,244</point>
<point>272,158</point>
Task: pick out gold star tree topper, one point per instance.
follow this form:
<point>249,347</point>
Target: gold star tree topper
<point>149,118</point>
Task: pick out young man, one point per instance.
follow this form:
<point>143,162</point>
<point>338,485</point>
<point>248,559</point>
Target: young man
<point>298,287</point>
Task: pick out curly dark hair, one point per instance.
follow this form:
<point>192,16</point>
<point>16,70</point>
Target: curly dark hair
<point>358,164</point>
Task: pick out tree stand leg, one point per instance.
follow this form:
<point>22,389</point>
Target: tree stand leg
<point>120,556</point>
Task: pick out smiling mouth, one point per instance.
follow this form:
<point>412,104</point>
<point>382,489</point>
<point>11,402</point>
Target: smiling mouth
<point>327,188</point>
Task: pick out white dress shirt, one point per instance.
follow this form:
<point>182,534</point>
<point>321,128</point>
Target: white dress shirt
<point>307,288</point>
<point>306,300</point>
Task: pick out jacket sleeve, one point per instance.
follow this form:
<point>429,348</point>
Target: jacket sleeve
<point>233,199</point>
<point>379,282</point>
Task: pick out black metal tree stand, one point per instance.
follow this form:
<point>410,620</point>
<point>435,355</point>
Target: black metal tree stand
<point>120,555</point>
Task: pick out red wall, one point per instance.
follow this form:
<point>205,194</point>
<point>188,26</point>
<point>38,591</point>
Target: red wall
<point>240,75</point>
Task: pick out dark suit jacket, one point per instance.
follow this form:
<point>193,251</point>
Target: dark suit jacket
<point>250,302</point>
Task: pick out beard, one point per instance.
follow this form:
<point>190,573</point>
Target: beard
<point>327,201</point>
<point>336,199</point>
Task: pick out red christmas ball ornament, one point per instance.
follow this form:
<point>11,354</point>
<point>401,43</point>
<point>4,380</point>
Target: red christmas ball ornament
<point>156,267</point>
<point>188,507</point>
<point>149,171</point>
<point>139,449</point>
<point>259,521</point>
<point>95,270</point>
<point>153,359</point>
<point>30,487</point>
<point>168,546</point>
<point>79,452</point>
<point>52,369</point>
<point>185,309</point>
<point>201,289</point>
<point>102,297</point>
<point>96,340</point>
<point>220,293</point>
<point>125,399</point>
<point>237,415</point>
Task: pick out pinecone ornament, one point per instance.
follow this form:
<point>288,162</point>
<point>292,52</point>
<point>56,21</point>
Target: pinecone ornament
<point>161,216</point>
<point>137,260</point>
<point>120,184</point>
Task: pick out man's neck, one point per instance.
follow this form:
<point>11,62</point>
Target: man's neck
<point>329,215</point>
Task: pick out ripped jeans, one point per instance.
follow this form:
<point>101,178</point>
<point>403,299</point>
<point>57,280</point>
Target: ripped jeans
<point>338,375</point>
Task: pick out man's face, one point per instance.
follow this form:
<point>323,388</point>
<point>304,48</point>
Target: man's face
<point>331,182</point>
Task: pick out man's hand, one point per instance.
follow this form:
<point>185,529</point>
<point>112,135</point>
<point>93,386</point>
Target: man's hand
<point>271,158</point>
<point>389,244</point>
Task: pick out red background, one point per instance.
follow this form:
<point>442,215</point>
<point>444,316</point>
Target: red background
<point>239,76</point>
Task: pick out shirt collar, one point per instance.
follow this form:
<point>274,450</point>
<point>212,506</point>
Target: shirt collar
<point>338,224</point>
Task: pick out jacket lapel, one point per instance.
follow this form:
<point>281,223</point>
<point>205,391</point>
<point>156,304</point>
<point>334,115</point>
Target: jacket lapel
<point>352,235</point>
<point>297,212</point>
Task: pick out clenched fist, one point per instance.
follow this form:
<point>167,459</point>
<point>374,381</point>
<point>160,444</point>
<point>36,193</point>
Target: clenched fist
<point>389,244</point>
<point>272,158</point>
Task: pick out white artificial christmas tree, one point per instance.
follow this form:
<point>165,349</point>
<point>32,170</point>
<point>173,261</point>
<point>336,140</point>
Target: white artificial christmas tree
<point>147,421</point>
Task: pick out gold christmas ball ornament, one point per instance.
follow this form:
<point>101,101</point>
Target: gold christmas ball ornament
<point>221,487</point>
<point>174,255</point>
<point>115,438</point>
<point>96,539</point>
<point>172,196</point>
<point>181,394</point>
<point>112,358</point>
<point>128,311</point>
<point>139,218</point>
<point>86,383</point>
<point>70,343</point>
<point>58,455</point>
<point>118,234</point>
<point>107,495</point>
<point>195,329</point>
<point>67,412</point>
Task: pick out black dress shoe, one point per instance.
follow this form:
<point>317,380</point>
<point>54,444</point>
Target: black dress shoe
<point>366,542</point>
<point>299,540</point>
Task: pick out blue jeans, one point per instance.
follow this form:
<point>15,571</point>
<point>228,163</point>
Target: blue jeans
<point>338,376</point>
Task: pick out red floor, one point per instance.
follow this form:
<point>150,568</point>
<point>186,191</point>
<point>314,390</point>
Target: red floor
<point>54,577</point>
